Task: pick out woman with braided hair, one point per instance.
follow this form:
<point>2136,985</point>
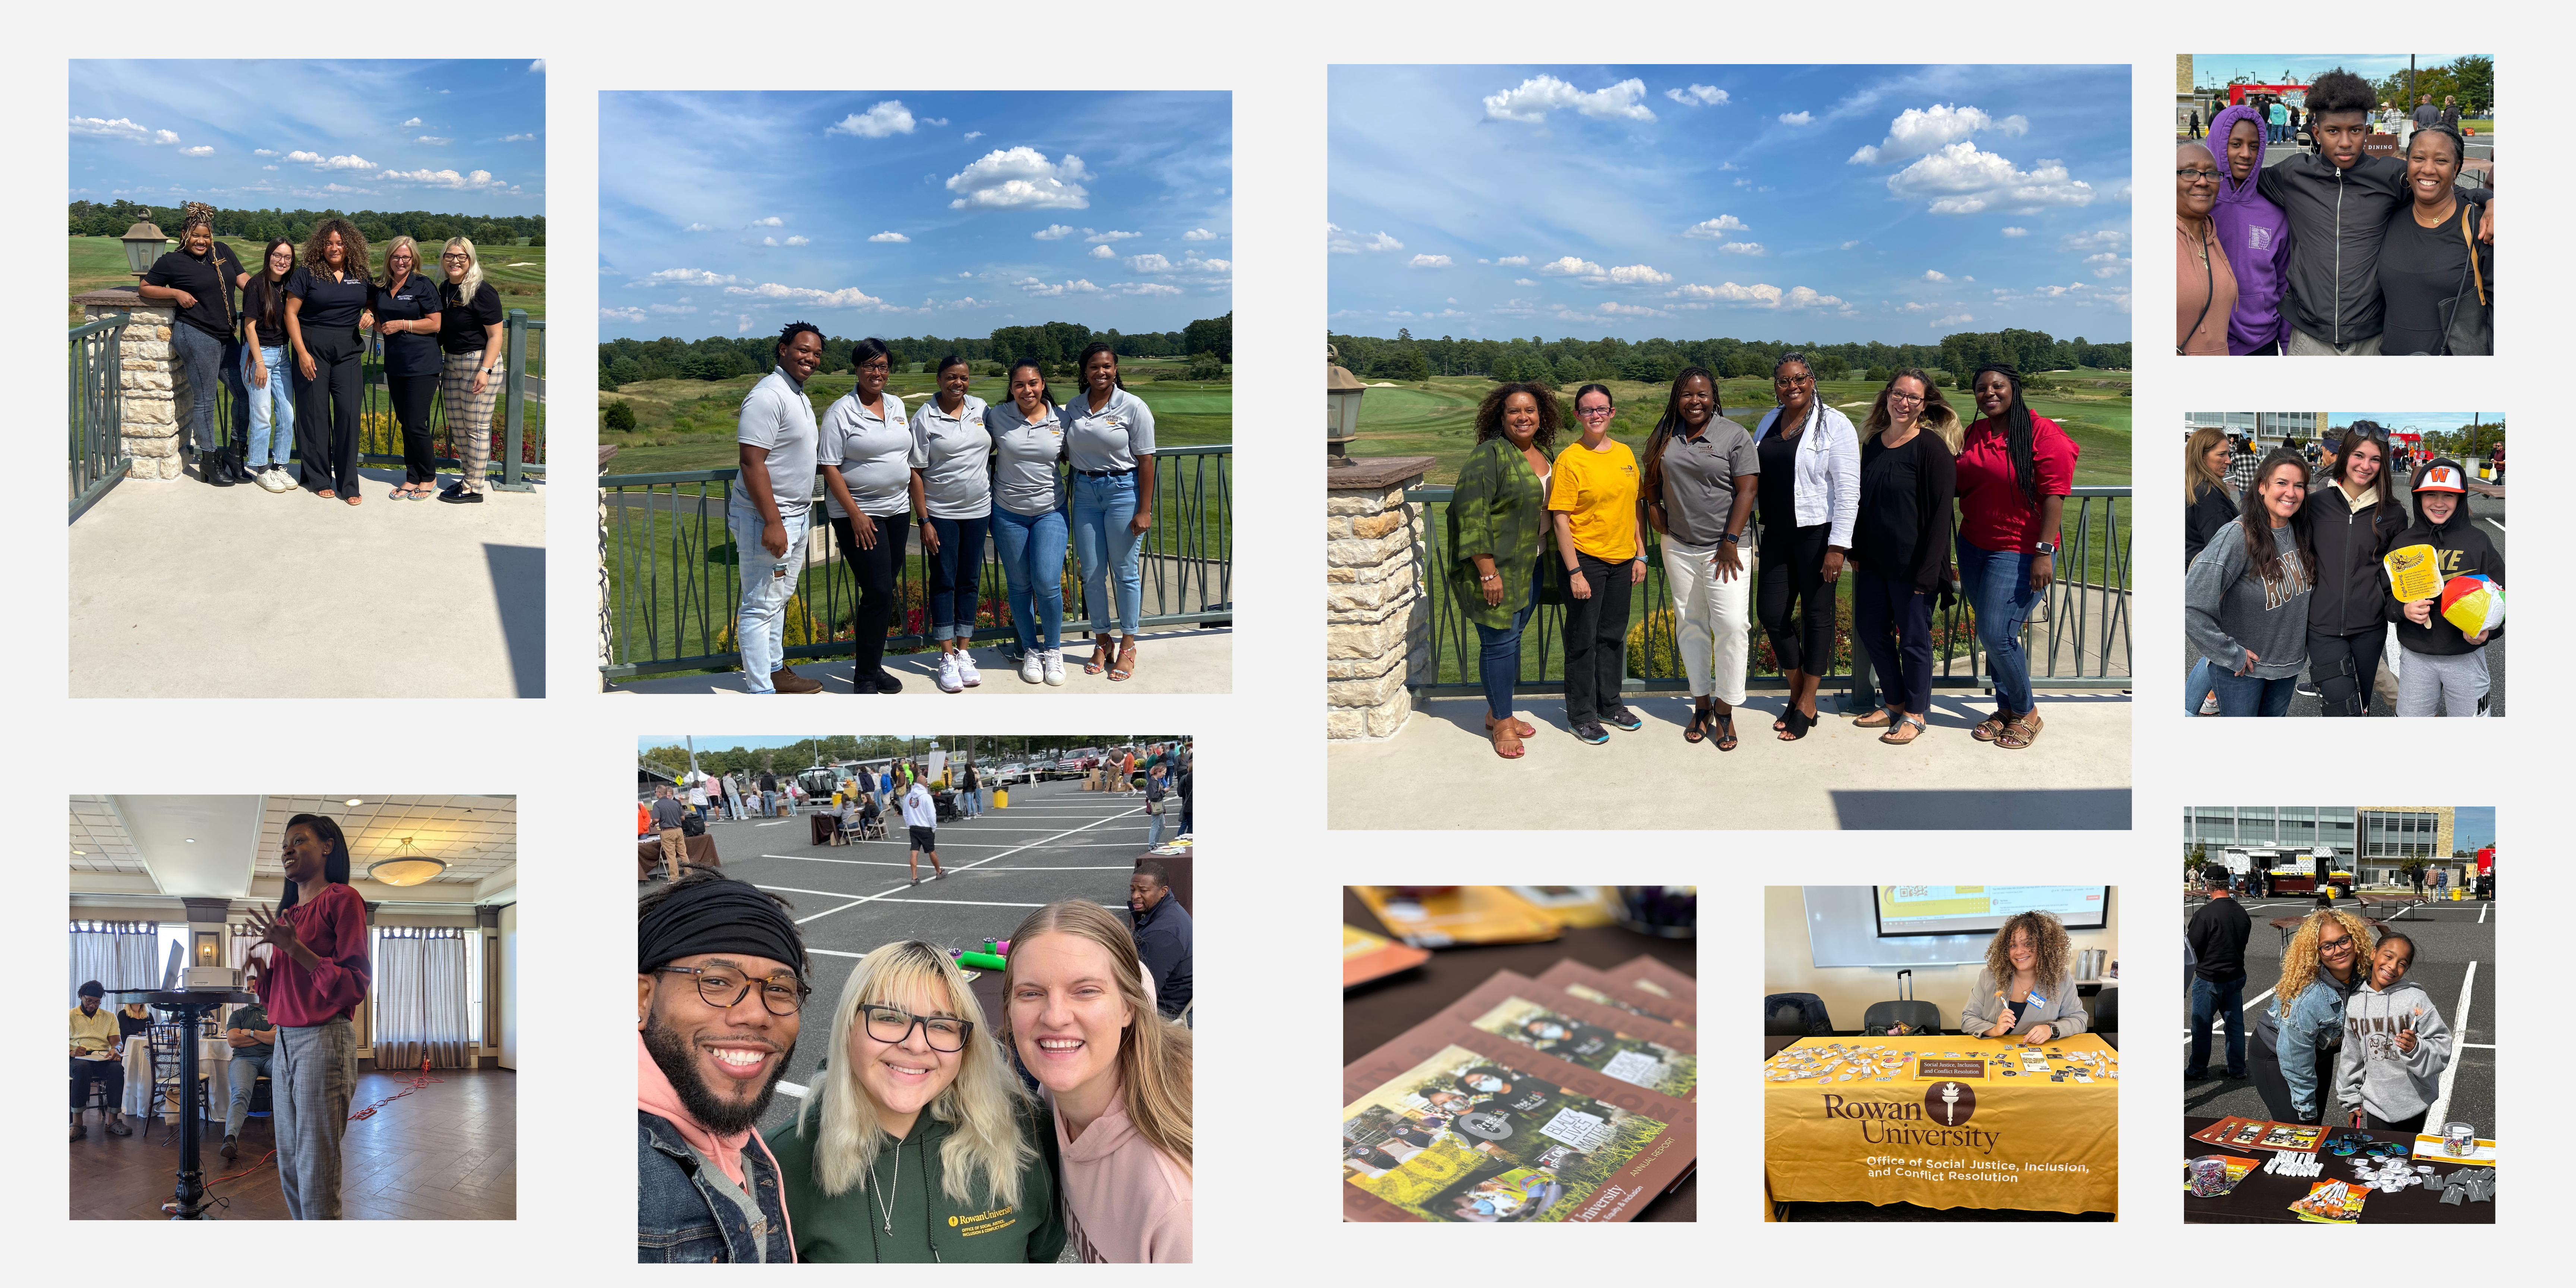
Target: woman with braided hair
<point>2015,471</point>
<point>2298,1037</point>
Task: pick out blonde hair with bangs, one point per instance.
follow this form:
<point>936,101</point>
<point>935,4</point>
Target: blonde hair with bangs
<point>981,1107</point>
<point>1153,1054</point>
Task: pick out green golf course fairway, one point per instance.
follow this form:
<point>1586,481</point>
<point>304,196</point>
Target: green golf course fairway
<point>518,273</point>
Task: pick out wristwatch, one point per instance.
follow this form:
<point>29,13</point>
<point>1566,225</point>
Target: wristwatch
<point>2044,547</point>
<point>1732,539</point>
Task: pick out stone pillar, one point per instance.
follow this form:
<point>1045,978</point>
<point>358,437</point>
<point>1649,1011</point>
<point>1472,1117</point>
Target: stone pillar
<point>155,393</point>
<point>1377,621</point>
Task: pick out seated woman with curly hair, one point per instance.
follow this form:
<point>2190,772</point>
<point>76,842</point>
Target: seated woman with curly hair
<point>2027,987</point>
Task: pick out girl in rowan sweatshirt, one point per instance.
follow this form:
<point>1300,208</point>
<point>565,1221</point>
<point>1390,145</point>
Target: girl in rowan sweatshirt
<point>2395,1045</point>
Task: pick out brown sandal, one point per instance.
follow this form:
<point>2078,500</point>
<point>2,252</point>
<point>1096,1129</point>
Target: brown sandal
<point>2021,732</point>
<point>1992,727</point>
<point>1912,722</point>
<point>1126,664</point>
<point>1878,719</point>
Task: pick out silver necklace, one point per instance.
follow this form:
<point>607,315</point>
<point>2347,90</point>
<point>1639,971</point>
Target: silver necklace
<point>886,1214</point>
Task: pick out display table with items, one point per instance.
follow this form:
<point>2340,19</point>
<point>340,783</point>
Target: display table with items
<point>2243,1170</point>
<point>1944,1122</point>
<point>701,851</point>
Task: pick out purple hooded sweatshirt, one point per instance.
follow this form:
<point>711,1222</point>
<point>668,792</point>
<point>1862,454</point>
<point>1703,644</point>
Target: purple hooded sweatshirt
<point>2256,235</point>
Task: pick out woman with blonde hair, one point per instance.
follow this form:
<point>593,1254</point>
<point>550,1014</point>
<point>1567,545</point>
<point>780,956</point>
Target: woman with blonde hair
<point>916,1142</point>
<point>2298,1037</point>
<point>1117,1075</point>
<point>2028,984</point>
<point>407,317</point>
<point>469,344</point>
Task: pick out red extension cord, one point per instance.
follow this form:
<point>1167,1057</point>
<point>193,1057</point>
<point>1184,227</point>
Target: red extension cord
<point>421,1080</point>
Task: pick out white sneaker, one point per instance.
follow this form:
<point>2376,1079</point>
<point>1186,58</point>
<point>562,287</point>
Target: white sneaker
<point>948,673</point>
<point>1054,671</point>
<point>2209,704</point>
<point>275,479</point>
<point>966,672</point>
<point>1033,665</point>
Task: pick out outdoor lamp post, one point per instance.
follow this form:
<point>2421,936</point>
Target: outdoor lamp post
<point>1342,393</point>
<point>144,243</point>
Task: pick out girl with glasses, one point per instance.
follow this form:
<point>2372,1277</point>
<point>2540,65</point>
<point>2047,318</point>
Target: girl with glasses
<point>2298,1038</point>
<point>916,1142</point>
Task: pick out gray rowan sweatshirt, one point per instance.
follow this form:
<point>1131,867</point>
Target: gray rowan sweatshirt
<point>2372,1073</point>
<point>2228,610</point>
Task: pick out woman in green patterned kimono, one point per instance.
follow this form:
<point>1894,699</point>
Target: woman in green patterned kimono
<point>1497,518</point>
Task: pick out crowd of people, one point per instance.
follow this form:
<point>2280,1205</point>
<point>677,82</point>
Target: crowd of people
<point>2284,576</point>
<point>960,473</point>
<point>2331,251</point>
<point>1058,1130</point>
<point>1531,522</point>
<point>288,342</point>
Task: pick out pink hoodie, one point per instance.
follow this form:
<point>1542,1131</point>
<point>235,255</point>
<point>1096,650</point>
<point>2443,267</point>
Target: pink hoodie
<point>1124,1200</point>
<point>655,1095</point>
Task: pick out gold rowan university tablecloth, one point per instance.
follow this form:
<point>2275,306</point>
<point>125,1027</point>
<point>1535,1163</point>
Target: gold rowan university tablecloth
<point>1851,1127</point>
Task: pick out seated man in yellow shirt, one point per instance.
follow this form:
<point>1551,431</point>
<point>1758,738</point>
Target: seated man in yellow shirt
<point>94,1050</point>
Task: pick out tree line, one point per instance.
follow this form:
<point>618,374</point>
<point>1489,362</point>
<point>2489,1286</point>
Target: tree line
<point>112,218</point>
<point>1054,345</point>
<point>1569,361</point>
<point>834,748</point>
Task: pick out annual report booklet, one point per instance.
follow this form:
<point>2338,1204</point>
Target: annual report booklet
<point>1601,988</point>
<point>1635,1050</point>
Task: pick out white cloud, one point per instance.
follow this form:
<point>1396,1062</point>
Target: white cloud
<point>1613,308</point>
<point>934,120</point>
<point>1514,261</point>
<point>2016,232</point>
<point>2107,264</point>
<point>1053,232</point>
<point>201,150</point>
<point>1916,131</point>
<point>1531,101</point>
<point>1198,234</point>
<point>1743,248</point>
<point>672,308</point>
<point>536,68</point>
<point>1638,275</point>
<point>1109,236</point>
<point>1103,252</point>
<point>1430,261</point>
<point>262,152</point>
<point>1343,241</point>
<point>972,135</point>
<point>478,179</point>
<point>1523,281</point>
<point>848,297</point>
<point>1077,286</point>
<point>888,117</point>
<point>301,157</point>
<point>1955,319</point>
<point>347,162</point>
<point>2098,239</point>
<point>1147,264</point>
<point>1760,295</point>
<point>772,222</point>
<point>1020,178</point>
<point>1849,244</point>
<point>1935,275</point>
<point>622,315</point>
<point>699,228</point>
<point>1961,180</point>
<point>1796,118</point>
<point>1697,96</point>
<point>516,138</point>
<point>1569,266</point>
<point>1148,288</point>
<point>801,241</point>
<point>433,141</point>
<point>686,277</point>
<point>413,123</point>
<point>1194,264</point>
<point>1717,229</point>
<point>880,237</point>
<point>268,167</point>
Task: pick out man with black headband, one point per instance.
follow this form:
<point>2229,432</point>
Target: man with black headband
<point>720,987</point>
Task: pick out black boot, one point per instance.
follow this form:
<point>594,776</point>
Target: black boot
<point>215,465</point>
<point>235,470</point>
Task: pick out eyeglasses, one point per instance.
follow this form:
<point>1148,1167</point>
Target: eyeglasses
<point>890,1026</point>
<point>724,989</point>
<point>2197,175</point>
<point>1893,396</point>
<point>2330,945</point>
<point>457,255</point>
<point>1590,412</point>
<point>1793,380</point>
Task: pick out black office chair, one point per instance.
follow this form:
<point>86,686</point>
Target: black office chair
<point>1796,1015</point>
<point>2106,1016</point>
<point>1882,1018</point>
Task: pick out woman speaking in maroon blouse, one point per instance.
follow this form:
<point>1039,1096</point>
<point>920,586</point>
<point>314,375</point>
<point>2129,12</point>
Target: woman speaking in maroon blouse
<point>312,975</point>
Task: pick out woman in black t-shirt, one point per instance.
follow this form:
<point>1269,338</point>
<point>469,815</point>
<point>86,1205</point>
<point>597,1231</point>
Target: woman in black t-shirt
<point>2436,279</point>
<point>1901,545</point>
<point>469,338</point>
<point>407,316</point>
<point>326,311</point>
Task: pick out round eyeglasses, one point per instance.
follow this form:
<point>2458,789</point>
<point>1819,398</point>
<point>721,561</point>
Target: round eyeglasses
<point>890,1026</point>
<point>724,988</point>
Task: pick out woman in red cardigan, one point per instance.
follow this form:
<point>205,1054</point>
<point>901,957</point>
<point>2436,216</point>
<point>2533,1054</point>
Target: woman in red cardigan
<point>311,970</point>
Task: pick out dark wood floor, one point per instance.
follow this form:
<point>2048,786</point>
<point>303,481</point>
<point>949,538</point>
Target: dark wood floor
<point>447,1152</point>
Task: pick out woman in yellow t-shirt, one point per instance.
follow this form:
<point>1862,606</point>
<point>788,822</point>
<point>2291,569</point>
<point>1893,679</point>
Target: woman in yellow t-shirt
<point>1601,545</point>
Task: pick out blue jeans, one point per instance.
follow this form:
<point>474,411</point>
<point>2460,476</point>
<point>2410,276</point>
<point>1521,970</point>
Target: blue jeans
<point>2195,686</point>
<point>235,383</point>
<point>201,356</point>
<point>1102,509</point>
<point>1032,548</point>
<point>272,409</point>
<point>1998,586</point>
<point>767,582</point>
<point>246,1070</point>
<point>956,577</point>
<point>1498,659</point>
<point>2252,695</point>
<point>2208,998</point>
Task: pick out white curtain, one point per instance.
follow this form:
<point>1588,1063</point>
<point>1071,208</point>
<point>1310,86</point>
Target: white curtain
<point>420,998</point>
<point>118,954</point>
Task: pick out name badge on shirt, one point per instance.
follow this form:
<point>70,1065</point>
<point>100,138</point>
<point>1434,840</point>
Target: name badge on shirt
<point>2035,999</point>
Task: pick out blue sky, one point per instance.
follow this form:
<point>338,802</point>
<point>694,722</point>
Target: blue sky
<point>645,742</point>
<point>2418,422</point>
<point>915,213</point>
<point>2220,69</point>
<point>1810,203</point>
<point>458,138</point>
<point>2472,826</point>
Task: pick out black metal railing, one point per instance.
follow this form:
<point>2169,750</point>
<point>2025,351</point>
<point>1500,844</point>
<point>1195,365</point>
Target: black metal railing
<point>97,418</point>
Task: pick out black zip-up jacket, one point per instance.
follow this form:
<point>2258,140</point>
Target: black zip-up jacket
<point>2337,220</point>
<point>2207,513</point>
<point>2462,549</point>
<point>2351,586</point>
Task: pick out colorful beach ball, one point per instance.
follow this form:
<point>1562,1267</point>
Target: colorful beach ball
<point>2473,604</point>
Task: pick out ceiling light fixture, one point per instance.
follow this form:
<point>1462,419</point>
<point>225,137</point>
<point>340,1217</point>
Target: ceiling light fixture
<point>353,801</point>
<point>408,867</point>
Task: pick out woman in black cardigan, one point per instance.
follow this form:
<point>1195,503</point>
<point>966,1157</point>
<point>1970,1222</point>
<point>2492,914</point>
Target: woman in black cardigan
<point>1901,545</point>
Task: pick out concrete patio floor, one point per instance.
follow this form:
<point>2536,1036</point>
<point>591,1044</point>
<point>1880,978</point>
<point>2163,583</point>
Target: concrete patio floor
<point>1200,661</point>
<point>180,590</point>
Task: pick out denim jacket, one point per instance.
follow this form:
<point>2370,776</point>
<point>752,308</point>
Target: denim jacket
<point>2307,1039</point>
<point>679,1216</point>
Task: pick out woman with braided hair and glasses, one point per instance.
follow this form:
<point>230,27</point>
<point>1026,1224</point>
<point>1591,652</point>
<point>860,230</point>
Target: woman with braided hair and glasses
<point>2015,471</point>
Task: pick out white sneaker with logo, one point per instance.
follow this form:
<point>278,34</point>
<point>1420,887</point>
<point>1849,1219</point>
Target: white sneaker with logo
<point>966,672</point>
<point>1055,666</point>
<point>947,678</point>
<point>1033,665</point>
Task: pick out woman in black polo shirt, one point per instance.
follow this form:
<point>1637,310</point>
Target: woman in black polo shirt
<point>470,336</point>
<point>326,309</point>
<point>407,309</point>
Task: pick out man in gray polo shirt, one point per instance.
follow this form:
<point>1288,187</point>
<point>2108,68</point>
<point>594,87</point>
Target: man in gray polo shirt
<point>768,508</point>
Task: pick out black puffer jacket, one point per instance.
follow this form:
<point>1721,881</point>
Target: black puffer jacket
<point>2330,287</point>
<point>2208,512</point>
<point>2351,586</point>
<point>2463,549</point>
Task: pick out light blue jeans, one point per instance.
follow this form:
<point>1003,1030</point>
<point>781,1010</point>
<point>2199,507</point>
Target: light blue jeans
<point>767,582</point>
<point>1998,586</point>
<point>1102,509</point>
<point>1154,824</point>
<point>272,410</point>
<point>245,1071</point>
<point>1032,549</point>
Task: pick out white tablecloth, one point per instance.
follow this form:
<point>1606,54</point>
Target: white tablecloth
<point>214,1062</point>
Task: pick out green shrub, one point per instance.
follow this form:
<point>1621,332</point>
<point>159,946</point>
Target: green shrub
<point>619,416</point>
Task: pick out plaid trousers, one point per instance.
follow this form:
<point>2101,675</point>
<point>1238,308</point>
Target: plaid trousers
<point>469,415</point>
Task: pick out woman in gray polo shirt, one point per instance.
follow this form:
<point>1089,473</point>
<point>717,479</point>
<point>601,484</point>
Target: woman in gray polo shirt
<point>1109,436</point>
<point>952,487</point>
<point>1701,475</point>
<point>867,449</point>
<point>1029,518</point>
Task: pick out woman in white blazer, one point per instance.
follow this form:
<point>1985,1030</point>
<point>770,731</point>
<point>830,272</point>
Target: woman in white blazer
<point>1809,497</point>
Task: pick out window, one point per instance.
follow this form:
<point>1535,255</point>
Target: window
<point>474,984</point>
<point>2254,823</point>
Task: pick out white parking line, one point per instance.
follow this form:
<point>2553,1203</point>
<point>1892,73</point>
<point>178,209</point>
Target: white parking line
<point>2482,913</point>
<point>977,863</point>
<point>2497,526</point>
<point>2477,1046</point>
<point>2459,1024</point>
<point>2218,1023</point>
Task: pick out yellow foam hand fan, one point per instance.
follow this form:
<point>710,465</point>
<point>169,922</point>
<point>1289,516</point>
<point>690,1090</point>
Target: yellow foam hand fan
<point>2412,574</point>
